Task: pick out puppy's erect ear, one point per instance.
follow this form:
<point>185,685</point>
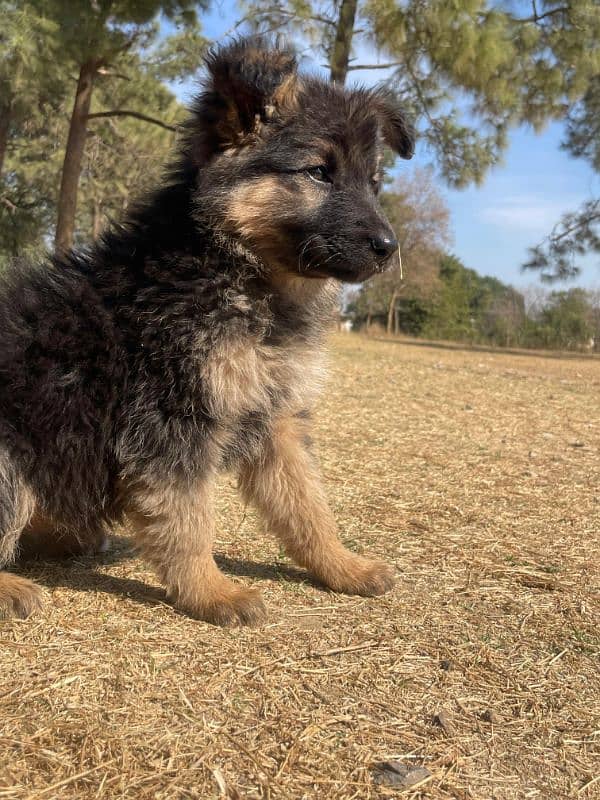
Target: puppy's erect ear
<point>248,84</point>
<point>397,131</point>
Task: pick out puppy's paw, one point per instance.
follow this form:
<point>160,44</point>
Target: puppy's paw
<point>375,578</point>
<point>19,597</point>
<point>237,606</point>
<point>362,576</point>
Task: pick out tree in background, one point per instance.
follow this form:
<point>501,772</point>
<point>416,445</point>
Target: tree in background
<point>594,298</point>
<point>27,74</point>
<point>567,320</point>
<point>468,307</point>
<point>452,314</point>
<point>502,314</point>
<point>32,89</point>
<point>467,70</point>
<point>29,187</point>
<point>124,156</point>
<point>578,232</point>
<point>458,304</point>
<point>474,308</point>
<point>96,40</point>
<point>61,162</point>
<point>420,217</point>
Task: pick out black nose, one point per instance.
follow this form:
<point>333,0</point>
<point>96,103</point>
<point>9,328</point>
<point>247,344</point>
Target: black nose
<point>384,246</point>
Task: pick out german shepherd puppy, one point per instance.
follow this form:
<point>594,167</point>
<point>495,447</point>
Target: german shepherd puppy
<point>188,340</point>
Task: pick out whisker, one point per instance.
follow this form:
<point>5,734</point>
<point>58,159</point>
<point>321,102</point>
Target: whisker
<point>303,250</point>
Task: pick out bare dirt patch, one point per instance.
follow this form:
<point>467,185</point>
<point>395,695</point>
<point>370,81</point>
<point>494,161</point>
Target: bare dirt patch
<point>477,475</point>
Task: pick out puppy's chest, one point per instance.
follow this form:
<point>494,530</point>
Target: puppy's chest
<point>246,376</point>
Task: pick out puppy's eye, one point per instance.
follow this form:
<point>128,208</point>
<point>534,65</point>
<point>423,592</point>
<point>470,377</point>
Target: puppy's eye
<point>376,183</point>
<point>319,174</point>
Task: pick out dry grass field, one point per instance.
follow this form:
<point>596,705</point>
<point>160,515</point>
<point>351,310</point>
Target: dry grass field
<point>477,474</point>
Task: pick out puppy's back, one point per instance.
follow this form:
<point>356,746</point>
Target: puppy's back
<point>59,380</point>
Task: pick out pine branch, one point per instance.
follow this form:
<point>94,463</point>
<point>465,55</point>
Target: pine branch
<point>536,17</point>
<point>9,204</point>
<point>272,12</point>
<point>111,74</point>
<point>579,222</point>
<point>421,98</point>
<point>16,206</point>
<point>324,20</point>
<point>376,66</point>
<point>135,115</point>
<point>574,235</point>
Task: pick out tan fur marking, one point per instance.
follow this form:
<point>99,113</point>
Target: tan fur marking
<point>302,370</point>
<point>17,492</point>
<point>19,597</point>
<point>237,378</point>
<point>251,207</point>
<point>243,375</point>
<point>286,487</point>
<point>257,208</point>
<point>295,286</point>
<point>43,537</point>
<point>174,528</point>
<point>287,93</point>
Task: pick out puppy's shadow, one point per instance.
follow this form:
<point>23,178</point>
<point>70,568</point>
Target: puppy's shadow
<point>81,573</point>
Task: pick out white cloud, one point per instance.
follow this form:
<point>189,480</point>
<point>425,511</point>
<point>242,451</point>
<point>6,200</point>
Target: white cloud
<point>525,212</point>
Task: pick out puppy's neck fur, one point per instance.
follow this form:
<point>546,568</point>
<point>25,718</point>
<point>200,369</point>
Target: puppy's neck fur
<point>291,288</point>
<point>298,288</point>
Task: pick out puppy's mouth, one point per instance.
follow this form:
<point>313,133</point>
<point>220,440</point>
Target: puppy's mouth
<point>324,261</point>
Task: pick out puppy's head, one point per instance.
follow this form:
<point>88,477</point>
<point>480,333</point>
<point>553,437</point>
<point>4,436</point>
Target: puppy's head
<point>291,166</point>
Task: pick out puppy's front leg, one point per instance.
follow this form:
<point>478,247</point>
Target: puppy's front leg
<point>174,528</point>
<point>285,485</point>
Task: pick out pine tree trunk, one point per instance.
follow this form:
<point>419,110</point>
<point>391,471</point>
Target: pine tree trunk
<point>340,55</point>
<point>4,125</point>
<point>391,307</point>
<point>69,184</point>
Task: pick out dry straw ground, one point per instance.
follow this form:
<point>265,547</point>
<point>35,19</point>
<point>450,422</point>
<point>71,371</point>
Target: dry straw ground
<point>476,474</point>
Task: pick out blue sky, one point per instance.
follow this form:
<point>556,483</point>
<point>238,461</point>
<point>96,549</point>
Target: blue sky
<point>494,224</point>
<point>517,206</point>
